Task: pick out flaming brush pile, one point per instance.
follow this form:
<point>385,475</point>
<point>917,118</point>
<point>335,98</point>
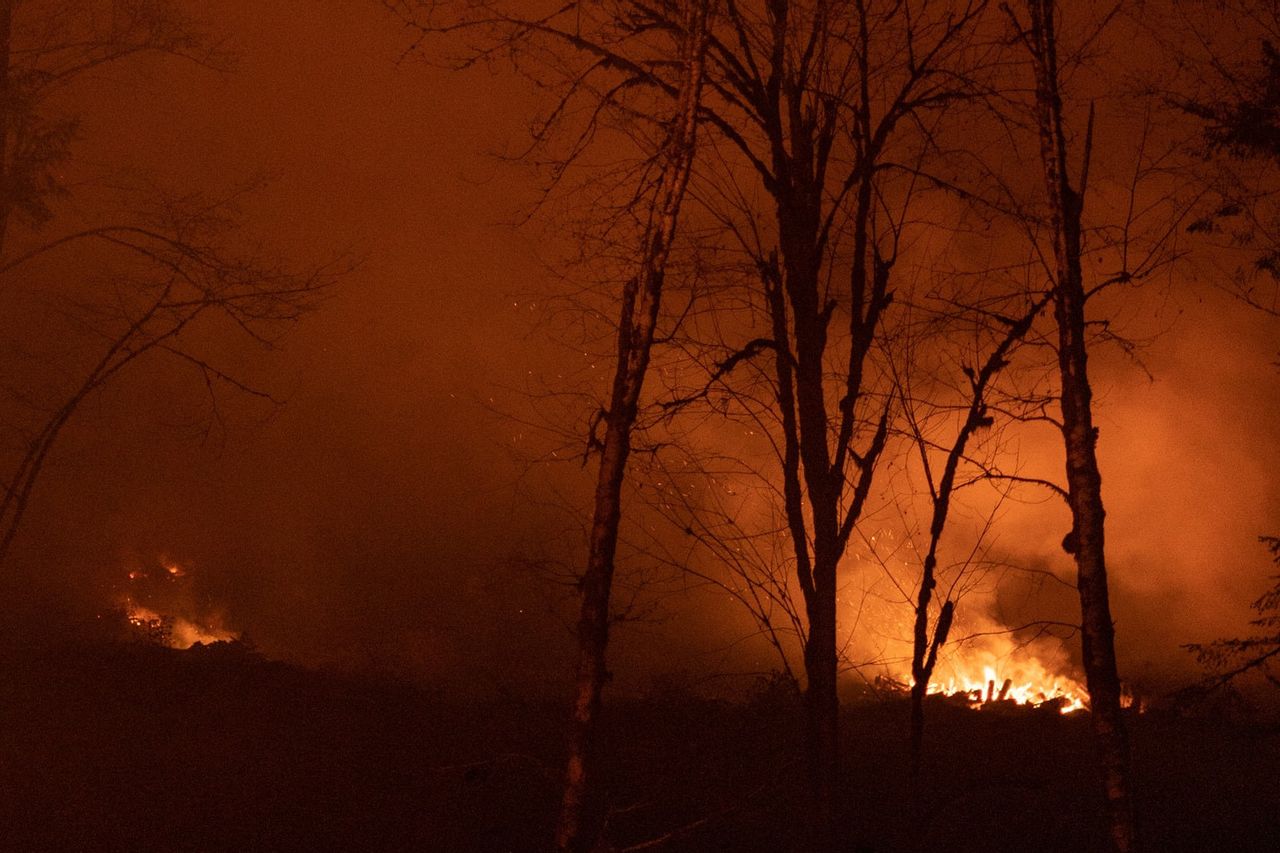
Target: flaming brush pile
<point>161,605</point>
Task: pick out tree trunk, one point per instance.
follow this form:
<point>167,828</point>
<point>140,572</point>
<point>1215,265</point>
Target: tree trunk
<point>582,807</point>
<point>813,464</point>
<point>1084,481</point>
<point>922,665</point>
<point>924,652</point>
<point>798,389</point>
<point>809,459</point>
<point>822,712</point>
<point>6,116</point>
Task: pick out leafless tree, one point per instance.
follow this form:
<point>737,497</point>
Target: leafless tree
<point>1065,201</point>
<point>163,271</point>
<point>45,46</point>
<point>580,814</point>
<point>817,116</point>
<point>835,103</point>
<point>175,274</point>
<point>942,486</point>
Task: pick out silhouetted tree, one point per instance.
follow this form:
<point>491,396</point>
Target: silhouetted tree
<point>1230,86</point>
<point>1230,659</point>
<point>977,415</point>
<point>183,274</point>
<point>814,109</point>
<point>45,45</point>
<point>162,269</point>
<point>1065,203</point>
<point>825,105</point>
<point>581,810</point>
<point>1242,123</point>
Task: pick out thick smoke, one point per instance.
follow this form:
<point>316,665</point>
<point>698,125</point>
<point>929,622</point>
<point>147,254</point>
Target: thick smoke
<point>377,520</point>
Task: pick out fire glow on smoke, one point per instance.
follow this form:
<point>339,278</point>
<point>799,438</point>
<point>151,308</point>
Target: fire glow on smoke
<point>170,615</point>
<point>981,676</point>
<point>993,668</point>
<point>984,662</point>
<point>176,631</point>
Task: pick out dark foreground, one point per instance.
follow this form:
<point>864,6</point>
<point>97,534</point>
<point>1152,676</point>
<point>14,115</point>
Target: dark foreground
<point>139,748</point>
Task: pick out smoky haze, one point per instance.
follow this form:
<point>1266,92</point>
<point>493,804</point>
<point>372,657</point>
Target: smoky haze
<point>386,515</point>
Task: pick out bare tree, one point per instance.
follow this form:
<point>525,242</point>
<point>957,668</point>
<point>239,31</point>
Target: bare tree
<point>161,269</point>
<point>45,46</point>
<point>831,106</point>
<point>177,274</point>
<point>581,812</point>
<point>1065,202</point>
<point>818,115</point>
<point>977,415</point>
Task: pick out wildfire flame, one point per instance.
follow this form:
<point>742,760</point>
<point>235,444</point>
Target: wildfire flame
<point>997,669</point>
<point>171,615</point>
<point>1024,683</point>
<point>983,662</point>
<point>175,631</point>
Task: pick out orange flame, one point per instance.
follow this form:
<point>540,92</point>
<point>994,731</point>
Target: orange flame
<point>179,632</point>
<point>999,670</point>
<point>1021,686</point>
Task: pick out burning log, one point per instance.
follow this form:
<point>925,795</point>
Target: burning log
<point>996,690</point>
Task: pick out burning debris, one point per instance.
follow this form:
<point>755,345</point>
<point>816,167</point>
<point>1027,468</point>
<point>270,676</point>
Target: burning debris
<point>998,671</point>
<point>1019,688</point>
<point>170,617</point>
<point>174,631</point>
<point>993,690</point>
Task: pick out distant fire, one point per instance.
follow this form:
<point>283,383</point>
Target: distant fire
<point>170,616</point>
<point>175,631</point>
